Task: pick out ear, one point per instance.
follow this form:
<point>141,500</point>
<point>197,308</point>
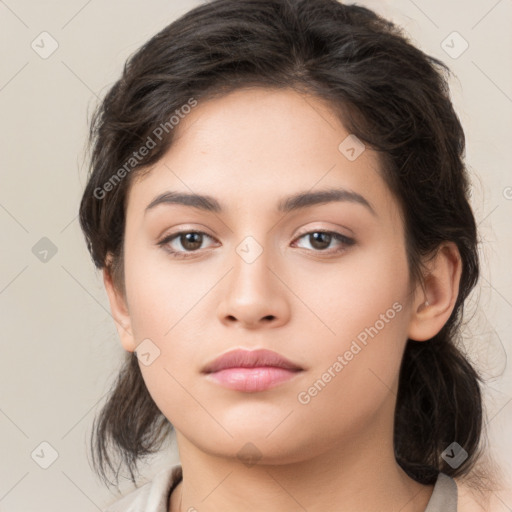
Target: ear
<point>435,297</point>
<point>120,312</point>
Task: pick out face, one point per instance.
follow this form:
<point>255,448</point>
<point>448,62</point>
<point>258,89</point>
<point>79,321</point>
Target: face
<point>324,284</point>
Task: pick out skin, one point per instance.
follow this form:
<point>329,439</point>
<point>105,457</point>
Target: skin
<point>249,150</point>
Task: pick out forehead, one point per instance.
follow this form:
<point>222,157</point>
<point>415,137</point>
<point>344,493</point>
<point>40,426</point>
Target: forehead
<point>262,144</point>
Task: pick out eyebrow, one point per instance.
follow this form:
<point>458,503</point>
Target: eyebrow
<point>295,202</point>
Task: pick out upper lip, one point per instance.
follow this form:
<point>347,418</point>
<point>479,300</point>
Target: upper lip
<point>240,358</point>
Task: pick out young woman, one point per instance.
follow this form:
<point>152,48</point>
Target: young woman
<point>279,204</point>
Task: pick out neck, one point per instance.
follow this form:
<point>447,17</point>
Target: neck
<point>359,474</point>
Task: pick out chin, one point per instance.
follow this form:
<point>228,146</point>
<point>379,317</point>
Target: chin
<point>255,446</point>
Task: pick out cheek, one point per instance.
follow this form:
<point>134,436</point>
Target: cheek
<point>357,361</point>
<point>355,378</point>
<point>353,294</point>
<point>162,293</point>
<point>166,308</point>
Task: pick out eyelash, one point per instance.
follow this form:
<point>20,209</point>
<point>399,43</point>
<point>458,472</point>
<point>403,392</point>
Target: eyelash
<point>344,240</point>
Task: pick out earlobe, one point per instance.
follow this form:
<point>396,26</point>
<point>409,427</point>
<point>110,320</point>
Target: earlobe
<point>120,312</point>
<point>435,298</point>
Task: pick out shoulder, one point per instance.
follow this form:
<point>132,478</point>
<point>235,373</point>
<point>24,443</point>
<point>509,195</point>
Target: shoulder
<point>469,501</point>
<point>466,501</point>
<point>152,496</point>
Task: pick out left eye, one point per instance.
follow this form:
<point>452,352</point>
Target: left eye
<point>321,240</point>
<point>191,242</point>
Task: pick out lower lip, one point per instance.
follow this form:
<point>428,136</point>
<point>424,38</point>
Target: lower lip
<point>251,379</point>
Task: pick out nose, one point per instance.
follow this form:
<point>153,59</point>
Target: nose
<point>255,296</point>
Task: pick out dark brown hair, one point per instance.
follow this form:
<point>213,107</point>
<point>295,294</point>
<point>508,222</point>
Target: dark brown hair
<point>387,92</point>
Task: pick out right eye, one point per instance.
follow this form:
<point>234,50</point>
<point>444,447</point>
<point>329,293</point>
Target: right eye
<point>190,241</point>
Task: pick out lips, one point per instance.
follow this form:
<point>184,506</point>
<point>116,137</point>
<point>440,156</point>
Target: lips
<point>250,359</point>
<point>251,371</point>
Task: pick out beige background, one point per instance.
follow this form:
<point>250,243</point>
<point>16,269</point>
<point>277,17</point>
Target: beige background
<point>60,351</point>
